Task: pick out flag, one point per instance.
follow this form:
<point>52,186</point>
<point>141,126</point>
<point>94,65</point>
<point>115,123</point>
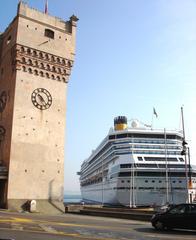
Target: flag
<point>154,112</point>
<point>46,7</point>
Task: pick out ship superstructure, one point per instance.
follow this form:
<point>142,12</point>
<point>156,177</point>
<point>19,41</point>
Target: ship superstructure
<point>137,166</point>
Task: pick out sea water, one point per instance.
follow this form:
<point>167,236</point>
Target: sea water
<point>72,198</point>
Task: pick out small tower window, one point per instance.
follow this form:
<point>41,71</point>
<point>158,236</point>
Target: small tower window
<point>49,33</point>
<point>9,39</point>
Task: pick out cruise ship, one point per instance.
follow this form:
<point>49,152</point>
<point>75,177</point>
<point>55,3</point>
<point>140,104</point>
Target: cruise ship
<point>138,166</point>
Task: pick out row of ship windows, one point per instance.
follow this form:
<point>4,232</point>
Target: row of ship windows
<point>160,159</point>
<point>140,135</point>
<point>147,188</point>
<point>151,147</point>
<point>149,152</point>
<point>153,181</point>
<point>151,174</point>
<point>148,141</point>
<point>141,165</point>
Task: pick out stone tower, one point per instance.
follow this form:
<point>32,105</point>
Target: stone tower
<point>36,56</point>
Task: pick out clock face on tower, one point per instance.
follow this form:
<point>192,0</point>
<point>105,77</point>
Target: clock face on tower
<point>41,98</point>
<point>3,100</point>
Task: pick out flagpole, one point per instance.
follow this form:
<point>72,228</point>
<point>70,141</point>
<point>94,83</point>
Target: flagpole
<point>46,7</point>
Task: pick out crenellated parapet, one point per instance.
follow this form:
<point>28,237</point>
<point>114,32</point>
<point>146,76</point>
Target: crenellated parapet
<point>40,63</point>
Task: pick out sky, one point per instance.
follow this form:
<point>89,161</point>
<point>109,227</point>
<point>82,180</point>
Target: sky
<point>131,56</point>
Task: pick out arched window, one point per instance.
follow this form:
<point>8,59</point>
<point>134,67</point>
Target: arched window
<point>58,60</point>
<point>35,72</point>
<point>41,55</point>
<point>63,61</point>
<point>47,75</point>
<point>58,78</point>
<point>34,53</point>
<point>41,74</point>
<point>53,77</point>
<point>22,49</point>
<point>48,67</point>
<point>49,33</point>
<point>29,51</point>
<point>30,62</point>
<point>24,68</point>
<point>42,65</point>
<point>36,63</point>
<point>53,69</point>
<point>30,70</point>
<point>59,70</point>
<point>23,60</point>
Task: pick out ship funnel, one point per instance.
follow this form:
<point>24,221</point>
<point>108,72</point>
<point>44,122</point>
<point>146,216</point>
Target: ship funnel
<point>120,123</point>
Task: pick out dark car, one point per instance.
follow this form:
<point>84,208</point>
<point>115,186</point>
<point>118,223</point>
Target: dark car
<point>179,216</point>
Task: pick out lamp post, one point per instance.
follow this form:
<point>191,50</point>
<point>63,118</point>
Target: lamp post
<point>184,152</point>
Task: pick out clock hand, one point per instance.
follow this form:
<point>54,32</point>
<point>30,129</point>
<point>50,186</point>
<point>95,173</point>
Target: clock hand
<point>41,98</point>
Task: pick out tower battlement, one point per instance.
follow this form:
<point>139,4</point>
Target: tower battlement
<point>34,14</point>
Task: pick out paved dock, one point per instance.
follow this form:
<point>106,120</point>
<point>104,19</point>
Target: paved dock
<point>25,226</point>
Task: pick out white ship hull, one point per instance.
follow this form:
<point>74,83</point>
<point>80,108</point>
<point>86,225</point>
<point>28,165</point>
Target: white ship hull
<point>109,194</point>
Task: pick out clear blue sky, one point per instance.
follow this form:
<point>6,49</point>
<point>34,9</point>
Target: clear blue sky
<point>132,55</point>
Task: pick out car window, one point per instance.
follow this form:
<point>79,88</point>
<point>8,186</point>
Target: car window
<point>178,209</point>
<point>192,208</point>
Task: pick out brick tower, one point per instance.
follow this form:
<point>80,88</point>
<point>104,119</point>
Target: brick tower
<point>36,56</point>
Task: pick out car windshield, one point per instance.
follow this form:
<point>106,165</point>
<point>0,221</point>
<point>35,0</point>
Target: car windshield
<point>178,209</point>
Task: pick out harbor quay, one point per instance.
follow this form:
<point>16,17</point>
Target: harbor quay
<point>22,226</point>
